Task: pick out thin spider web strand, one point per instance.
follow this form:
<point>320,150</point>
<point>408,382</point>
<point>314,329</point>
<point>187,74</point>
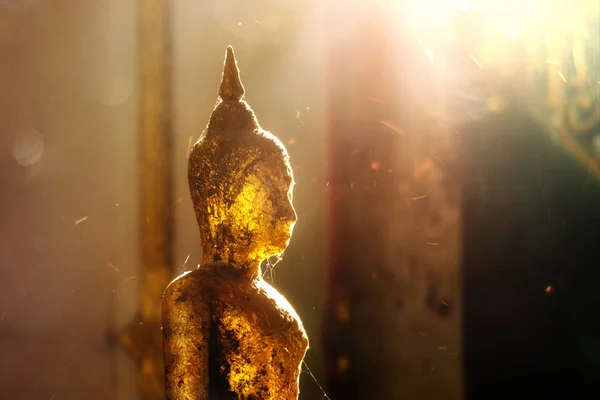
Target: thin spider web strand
<point>325,396</point>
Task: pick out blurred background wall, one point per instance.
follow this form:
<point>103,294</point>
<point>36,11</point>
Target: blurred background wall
<point>69,208</point>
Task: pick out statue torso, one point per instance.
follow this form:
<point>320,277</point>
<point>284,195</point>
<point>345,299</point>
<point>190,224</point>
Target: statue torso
<point>257,340</point>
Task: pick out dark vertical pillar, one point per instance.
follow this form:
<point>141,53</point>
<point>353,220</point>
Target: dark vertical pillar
<point>530,207</point>
<point>360,154</point>
<point>529,260</point>
<point>392,327</point>
<point>143,337</point>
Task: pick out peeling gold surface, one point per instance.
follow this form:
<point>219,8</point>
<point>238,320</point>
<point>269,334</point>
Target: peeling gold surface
<point>227,334</point>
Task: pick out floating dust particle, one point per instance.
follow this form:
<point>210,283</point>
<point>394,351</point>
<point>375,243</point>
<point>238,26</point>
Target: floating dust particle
<point>375,165</point>
<point>391,125</point>
<point>463,7</point>
<point>80,220</point>
<point>438,159</point>
<point>549,289</point>
<point>562,76</point>
<point>176,202</point>
<point>376,100</point>
<point>476,61</point>
<point>551,62</point>
<point>292,140</point>
<point>240,23</point>
<point>422,169</point>
<point>343,364</point>
<point>183,266</point>
<point>343,313</point>
<point>129,279</point>
<point>496,104</point>
<point>408,274</point>
<point>189,148</point>
<point>257,22</point>
<point>442,348</point>
<point>419,197</point>
<point>432,243</point>
<point>297,114</point>
<point>429,55</point>
<point>3,315</point>
<point>113,267</point>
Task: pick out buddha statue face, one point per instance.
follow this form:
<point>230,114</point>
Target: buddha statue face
<point>240,182</point>
<point>261,217</point>
<point>243,199</point>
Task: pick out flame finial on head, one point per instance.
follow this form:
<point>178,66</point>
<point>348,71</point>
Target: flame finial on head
<point>231,85</point>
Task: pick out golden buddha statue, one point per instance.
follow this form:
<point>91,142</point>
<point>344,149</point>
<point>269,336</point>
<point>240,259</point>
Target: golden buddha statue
<point>227,334</point>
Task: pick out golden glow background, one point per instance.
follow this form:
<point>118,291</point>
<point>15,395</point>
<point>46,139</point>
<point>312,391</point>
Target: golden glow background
<point>68,161</point>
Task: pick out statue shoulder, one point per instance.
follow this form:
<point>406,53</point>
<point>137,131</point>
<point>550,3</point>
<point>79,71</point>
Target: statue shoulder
<point>284,308</point>
<point>186,286</point>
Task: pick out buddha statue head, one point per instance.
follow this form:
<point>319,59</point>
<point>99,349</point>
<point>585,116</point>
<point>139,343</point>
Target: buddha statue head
<point>240,182</point>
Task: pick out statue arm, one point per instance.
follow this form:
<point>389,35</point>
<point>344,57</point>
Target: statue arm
<point>186,322</point>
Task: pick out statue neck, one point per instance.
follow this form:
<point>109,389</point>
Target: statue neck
<point>240,263</point>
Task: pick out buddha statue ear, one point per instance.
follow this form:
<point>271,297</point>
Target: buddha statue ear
<point>231,86</point>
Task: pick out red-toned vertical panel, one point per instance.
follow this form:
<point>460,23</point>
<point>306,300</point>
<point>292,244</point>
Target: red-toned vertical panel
<point>359,160</point>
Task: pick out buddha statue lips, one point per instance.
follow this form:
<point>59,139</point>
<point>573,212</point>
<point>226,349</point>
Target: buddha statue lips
<point>227,334</point>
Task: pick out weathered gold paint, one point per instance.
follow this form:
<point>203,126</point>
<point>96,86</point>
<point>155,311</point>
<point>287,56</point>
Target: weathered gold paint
<point>227,334</point>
